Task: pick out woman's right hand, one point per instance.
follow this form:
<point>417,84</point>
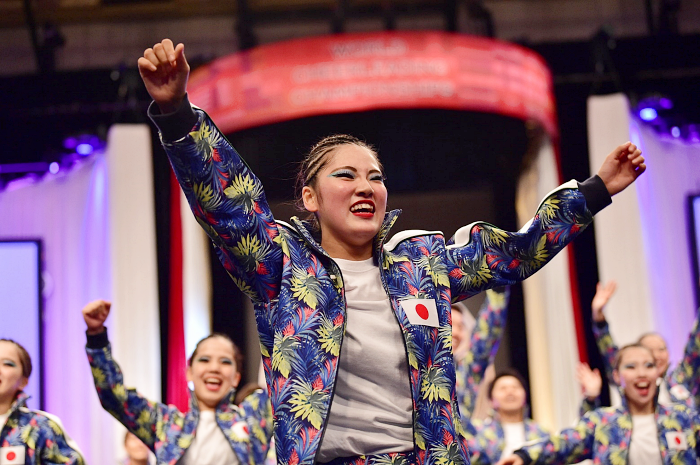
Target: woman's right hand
<point>511,460</point>
<point>164,70</point>
<point>590,380</point>
<point>95,313</point>
<point>601,298</point>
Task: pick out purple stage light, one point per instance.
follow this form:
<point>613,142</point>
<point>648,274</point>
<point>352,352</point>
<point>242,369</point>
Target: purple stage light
<point>665,103</point>
<point>648,114</point>
<point>676,131</point>
<point>84,149</point>
<point>54,167</point>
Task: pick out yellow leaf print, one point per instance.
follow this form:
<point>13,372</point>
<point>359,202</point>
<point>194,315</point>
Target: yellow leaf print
<point>618,457</point>
<point>99,376</point>
<point>283,353</point>
<point>330,336</point>
<point>244,192</point>
<point>184,441</point>
<point>308,404</point>
<point>263,351</point>
<point>478,276</point>
<point>549,207</point>
<point>495,236</point>
<point>625,422</point>
<point>435,385</point>
<point>206,138</point>
<point>305,287</point>
<point>419,439</point>
<point>119,392</point>
<point>203,192</point>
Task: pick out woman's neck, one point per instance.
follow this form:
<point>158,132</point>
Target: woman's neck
<point>640,409</point>
<point>6,405</point>
<point>514,416</point>
<point>346,251</point>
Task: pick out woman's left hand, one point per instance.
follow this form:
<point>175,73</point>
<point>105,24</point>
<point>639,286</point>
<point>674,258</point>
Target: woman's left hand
<point>621,167</point>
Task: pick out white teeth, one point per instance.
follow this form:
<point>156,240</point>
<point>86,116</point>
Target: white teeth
<point>362,206</point>
<point>212,381</point>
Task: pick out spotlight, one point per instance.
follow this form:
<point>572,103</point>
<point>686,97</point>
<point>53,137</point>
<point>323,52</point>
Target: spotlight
<point>54,167</point>
<point>676,131</point>
<point>84,149</point>
<point>648,114</point>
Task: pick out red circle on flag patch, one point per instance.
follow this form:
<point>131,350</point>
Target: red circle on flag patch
<point>422,311</point>
<point>11,456</point>
<point>678,440</point>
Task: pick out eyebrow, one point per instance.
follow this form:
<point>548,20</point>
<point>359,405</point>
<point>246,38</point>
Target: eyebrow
<point>351,168</point>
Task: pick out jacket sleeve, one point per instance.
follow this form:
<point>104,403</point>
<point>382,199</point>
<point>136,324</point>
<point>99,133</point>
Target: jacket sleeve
<point>606,347</point>
<point>227,199</point>
<point>485,339</point>
<point>572,445</point>
<point>138,414</point>
<point>58,447</point>
<point>687,372</point>
<point>258,414</point>
<point>482,256</point>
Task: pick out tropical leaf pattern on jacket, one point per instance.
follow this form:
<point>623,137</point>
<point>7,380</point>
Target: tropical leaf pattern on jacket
<point>40,434</point>
<point>487,439</point>
<point>604,436</point>
<point>169,432</point>
<point>484,341</point>
<point>299,299</point>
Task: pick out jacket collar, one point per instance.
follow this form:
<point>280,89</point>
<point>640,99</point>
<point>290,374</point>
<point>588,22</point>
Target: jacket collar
<point>313,236</point>
<point>20,401</point>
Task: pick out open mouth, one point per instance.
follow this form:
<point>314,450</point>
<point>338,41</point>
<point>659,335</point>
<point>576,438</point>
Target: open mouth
<point>642,387</point>
<point>363,209</point>
<point>212,384</point>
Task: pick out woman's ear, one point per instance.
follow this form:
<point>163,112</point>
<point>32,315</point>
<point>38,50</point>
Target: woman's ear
<point>24,383</point>
<point>310,199</point>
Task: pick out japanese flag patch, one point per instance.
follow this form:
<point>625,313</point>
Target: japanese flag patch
<point>421,312</point>
<point>11,455</point>
<point>676,440</point>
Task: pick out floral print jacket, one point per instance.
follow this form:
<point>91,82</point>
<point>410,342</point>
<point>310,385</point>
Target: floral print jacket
<point>37,436</point>
<point>485,339</point>
<point>604,436</point>
<point>299,299</point>
<point>683,382</point>
<point>169,432</point>
<point>487,440</point>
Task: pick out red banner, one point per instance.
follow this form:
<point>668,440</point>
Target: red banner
<point>387,70</point>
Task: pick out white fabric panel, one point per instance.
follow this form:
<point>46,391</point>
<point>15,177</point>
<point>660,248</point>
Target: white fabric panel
<point>197,289</point>
<point>644,244</point>
<point>619,243</point>
<point>552,346</point>
<point>134,322</point>
<point>68,212</point>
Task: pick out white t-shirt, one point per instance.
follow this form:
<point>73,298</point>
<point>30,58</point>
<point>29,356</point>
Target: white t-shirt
<point>514,434</point>
<point>372,409</point>
<point>209,446</point>
<point>644,446</point>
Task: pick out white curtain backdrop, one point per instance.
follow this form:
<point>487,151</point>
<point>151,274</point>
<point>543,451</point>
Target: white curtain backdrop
<point>551,337</point>
<point>97,226</point>
<point>643,241</point>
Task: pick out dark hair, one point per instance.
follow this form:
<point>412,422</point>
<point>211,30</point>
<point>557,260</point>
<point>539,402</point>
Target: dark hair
<point>316,159</point>
<point>24,357</point>
<point>502,374</point>
<point>237,354</point>
<point>618,356</point>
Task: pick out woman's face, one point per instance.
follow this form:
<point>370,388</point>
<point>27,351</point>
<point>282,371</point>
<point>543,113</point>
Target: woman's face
<point>213,372</point>
<point>349,198</point>
<point>657,345</point>
<point>637,374</point>
<point>508,394</point>
<point>11,378</point>
<point>458,330</point>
